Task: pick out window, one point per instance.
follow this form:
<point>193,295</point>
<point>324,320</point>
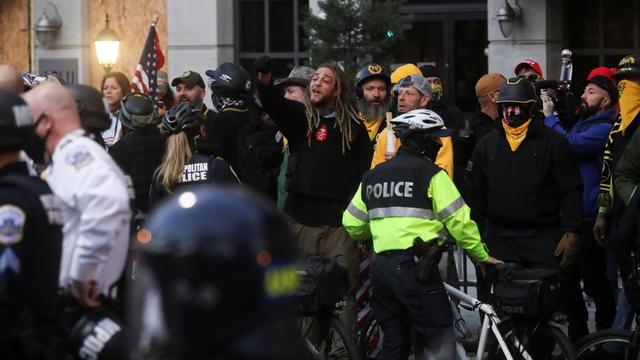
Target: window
<point>272,27</point>
<point>603,35</point>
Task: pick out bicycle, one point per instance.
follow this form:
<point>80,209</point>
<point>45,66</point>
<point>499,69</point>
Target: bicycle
<point>324,285</point>
<point>516,338</point>
<point>611,344</point>
<point>326,336</point>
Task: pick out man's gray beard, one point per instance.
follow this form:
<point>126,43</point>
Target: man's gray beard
<point>373,113</point>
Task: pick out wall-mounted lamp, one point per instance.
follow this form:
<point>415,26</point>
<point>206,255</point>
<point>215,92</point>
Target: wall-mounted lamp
<point>507,16</point>
<point>48,25</point>
<point>107,46</point>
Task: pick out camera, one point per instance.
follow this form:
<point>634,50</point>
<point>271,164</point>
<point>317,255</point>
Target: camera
<point>566,103</point>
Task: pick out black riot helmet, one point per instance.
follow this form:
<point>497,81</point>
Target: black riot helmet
<point>372,71</point>
<point>628,68</point>
<point>100,335</point>
<point>91,107</point>
<point>15,121</point>
<point>230,80</point>
<point>207,258</point>
<point>183,117</point>
<point>517,90</point>
<point>516,93</point>
<point>136,111</point>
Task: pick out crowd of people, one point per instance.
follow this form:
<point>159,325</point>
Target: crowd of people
<point>158,225</point>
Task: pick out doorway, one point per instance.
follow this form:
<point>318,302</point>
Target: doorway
<point>453,37</point>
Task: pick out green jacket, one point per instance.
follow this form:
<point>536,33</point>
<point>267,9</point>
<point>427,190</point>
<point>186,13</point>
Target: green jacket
<point>395,227</point>
<point>627,173</point>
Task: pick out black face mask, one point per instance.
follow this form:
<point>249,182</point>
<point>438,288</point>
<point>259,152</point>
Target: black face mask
<point>515,115</point>
<point>35,149</point>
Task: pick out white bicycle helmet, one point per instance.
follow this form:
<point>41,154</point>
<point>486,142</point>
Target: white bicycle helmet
<point>419,121</point>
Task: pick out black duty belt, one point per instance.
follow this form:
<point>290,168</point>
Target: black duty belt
<point>393,253</point>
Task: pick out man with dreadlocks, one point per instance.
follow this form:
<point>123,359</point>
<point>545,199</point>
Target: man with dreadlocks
<point>334,151</point>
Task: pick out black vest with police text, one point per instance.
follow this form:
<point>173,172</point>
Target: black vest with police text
<point>196,171</point>
<point>398,187</point>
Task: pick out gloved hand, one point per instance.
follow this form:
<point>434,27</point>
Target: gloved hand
<point>568,248</point>
<point>547,105</point>
<point>263,64</point>
<point>490,261</point>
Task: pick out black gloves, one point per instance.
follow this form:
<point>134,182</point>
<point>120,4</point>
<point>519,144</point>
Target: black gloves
<point>263,64</point>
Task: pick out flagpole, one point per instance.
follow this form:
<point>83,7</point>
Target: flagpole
<point>155,20</point>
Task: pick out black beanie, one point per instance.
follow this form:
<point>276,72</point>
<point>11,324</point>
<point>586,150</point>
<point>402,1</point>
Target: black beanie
<point>429,71</point>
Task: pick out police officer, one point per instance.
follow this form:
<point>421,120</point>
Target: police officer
<point>183,164</point>
<point>30,243</point>
<point>402,199</point>
<point>94,194</point>
<point>92,109</point>
<point>208,290</point>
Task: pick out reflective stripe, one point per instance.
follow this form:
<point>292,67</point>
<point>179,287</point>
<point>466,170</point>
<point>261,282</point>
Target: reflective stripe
<point>357,213</point>
<point>400,211</point>
<point>449,210</point>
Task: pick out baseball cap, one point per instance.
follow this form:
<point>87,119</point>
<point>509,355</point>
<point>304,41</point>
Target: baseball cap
<point>189,78</point>
<point>299,75</point>
<point>489,83</point>
<point>404,71</point>
<point>417,81</point>
<point>605,84</point>
<point>601,71</point>
<point>528,63</point>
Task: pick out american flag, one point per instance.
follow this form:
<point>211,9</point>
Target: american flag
<point>145,79</point>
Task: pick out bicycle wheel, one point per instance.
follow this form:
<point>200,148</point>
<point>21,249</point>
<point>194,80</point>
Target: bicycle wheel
<point>604,344</point>
<point>329,338</point>
<point>542,342</point>
<point>370,340</point>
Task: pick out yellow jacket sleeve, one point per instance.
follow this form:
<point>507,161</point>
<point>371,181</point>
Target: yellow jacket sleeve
<point>454,213</point>
<point>356,218</point>
<point>445,156</point>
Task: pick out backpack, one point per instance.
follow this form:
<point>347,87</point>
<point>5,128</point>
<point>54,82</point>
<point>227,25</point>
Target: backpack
<point>259,155</point>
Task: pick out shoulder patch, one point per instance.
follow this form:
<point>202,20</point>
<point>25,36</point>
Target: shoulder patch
<point>79,157</point>
<point>12,220</point>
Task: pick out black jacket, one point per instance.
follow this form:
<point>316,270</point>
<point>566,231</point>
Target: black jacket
<point>31,228</point>
<point>222,132</point>
<point>139,154</point>
<point>201,169</point>
<point>474,127</point>
<point>324,179</point>
<point>538,185</point>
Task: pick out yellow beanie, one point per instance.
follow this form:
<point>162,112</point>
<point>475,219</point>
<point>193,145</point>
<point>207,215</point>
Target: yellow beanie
<point>404,71</point>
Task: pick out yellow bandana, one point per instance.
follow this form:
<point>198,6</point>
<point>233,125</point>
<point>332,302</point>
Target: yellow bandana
<point>629,102</point>
<point>515,136</point>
